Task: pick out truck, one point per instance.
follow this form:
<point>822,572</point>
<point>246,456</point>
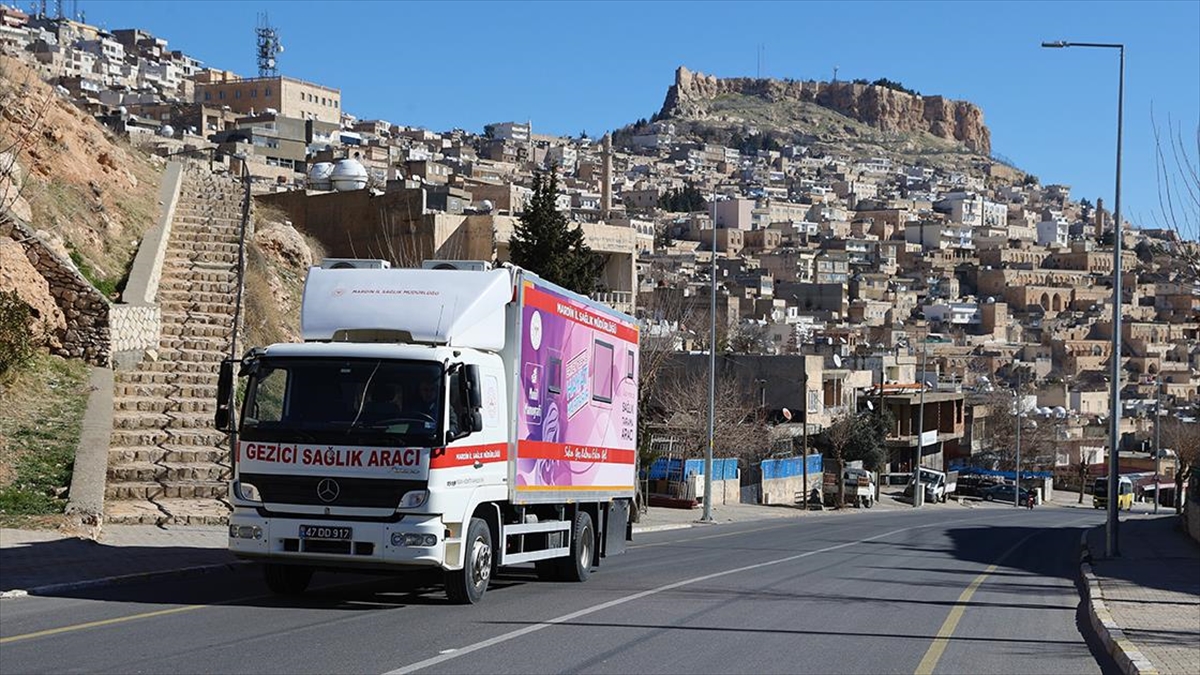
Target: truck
<point>459,420</point>
<point>860,486</point>
<point>938,485</point>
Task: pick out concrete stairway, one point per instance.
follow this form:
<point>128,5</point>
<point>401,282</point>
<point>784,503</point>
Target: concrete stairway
<point>166,463</point>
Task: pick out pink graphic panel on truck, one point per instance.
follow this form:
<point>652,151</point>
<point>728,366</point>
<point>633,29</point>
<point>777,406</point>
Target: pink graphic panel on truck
<point>577,408</point>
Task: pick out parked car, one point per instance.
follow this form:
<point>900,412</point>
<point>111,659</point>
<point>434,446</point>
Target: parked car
<point>1004,493</point>
<point>974,486</point>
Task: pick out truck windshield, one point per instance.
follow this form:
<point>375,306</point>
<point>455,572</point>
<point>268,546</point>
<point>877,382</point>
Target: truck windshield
<point>345,401</point>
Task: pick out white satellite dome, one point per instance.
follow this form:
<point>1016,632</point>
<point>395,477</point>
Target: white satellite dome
<point>166,130</point>
<point>1060,412</point>
<point>487,205</point>
<point>319,176</point>
<point>348,174</point>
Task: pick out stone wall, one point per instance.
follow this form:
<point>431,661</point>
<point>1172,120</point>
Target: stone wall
<point>85,308</point>
<point>134,327</point>
<point>144,275</point>
<point>136,323</point>
<point>95,328</point>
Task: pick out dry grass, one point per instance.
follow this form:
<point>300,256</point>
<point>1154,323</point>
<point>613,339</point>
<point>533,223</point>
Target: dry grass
<point>273,289</point>
<point>43,407</point>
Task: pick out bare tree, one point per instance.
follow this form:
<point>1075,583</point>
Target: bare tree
<point>1184,439</point>
<point>840,434</point>
<point>682,400</point>
<point>21,124</point>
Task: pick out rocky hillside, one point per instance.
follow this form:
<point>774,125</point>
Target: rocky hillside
<point>883,108</point>
<point>88,194</point>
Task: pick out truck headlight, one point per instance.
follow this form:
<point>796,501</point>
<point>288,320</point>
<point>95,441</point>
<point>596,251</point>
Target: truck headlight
<point>413,499</point>
<point>247,491</point>
<point>413,539</point>
<point>245,532</point>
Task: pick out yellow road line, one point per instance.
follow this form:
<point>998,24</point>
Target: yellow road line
<point>97,624</point>
<point>943,635</point>
<point>934,653</point>
<point>149,615</point>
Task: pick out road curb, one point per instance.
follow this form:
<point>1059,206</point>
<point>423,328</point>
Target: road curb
<point>1129,659</point>
<point>53,589</point>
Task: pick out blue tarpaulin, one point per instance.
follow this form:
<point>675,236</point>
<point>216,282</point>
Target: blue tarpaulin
<point>679,469</point>
<point>792,466</point>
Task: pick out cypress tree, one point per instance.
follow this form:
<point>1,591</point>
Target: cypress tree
<point>544,242</point>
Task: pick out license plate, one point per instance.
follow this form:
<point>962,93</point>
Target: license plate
<point>326,532</point>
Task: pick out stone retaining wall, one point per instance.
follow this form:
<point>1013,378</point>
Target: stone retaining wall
<point>134,327</point>
<point>96,328</point>
<point>87,335</point>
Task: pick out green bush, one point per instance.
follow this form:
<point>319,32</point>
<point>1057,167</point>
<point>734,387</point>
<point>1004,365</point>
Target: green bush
<point>16,332</point>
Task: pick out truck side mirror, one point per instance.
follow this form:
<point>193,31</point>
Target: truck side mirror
<point>473,395</point>
<point>223,417</point>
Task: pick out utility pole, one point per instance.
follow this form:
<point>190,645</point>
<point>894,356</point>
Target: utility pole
<point>918,491</point>
<point>1157,451</point>
<point>1020,423</point>
<point>804,421</point>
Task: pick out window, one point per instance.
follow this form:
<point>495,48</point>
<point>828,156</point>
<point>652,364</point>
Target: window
<point>266,91</point>
<point>602,372</point>
<point>208,96</point>
<point>221,95</point>
<point>237,94</point>
<point>253,93</point>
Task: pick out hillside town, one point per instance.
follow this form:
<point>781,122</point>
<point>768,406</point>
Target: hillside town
<point>950,294</point>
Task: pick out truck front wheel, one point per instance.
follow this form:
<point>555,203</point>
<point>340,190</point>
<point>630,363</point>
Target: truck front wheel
<point>287,579</point>
<point>466,586</point>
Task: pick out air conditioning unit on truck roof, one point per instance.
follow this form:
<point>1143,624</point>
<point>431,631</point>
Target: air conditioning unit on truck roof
<point>468,265</point>
<point>354,264</point>
<point>457,422</point>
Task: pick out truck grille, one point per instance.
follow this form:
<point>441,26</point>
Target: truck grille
<point>370,493</point>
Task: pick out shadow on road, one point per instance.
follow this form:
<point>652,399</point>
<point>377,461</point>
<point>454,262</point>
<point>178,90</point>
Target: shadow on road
<point>184,575</point>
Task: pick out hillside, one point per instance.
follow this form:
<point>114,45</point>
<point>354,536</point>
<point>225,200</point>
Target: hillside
<point>845,118</point>
<point>88,193</point>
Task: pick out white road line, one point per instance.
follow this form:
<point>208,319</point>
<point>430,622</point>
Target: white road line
<point>499,639</point>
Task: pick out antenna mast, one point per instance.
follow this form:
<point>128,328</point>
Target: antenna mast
<point>268,47</point>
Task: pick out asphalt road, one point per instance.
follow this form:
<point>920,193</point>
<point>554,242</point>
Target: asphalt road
<point>989,589</point>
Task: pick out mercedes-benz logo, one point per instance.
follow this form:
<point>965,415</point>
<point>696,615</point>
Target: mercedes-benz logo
<point>328,490</point>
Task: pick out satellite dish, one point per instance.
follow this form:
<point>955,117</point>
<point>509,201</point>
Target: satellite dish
<point>837,361</point>
<point>870,405</point>
<point>787,414</point>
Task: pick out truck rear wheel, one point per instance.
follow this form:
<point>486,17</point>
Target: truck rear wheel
<point>287,579</point>
<point>467,585</point>
<point>578,567</point>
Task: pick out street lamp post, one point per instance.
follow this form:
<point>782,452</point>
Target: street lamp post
<point>1110,540</point>
<point>712,373</point>
<point>918,490</point>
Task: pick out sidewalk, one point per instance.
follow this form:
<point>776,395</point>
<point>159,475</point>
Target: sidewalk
<point>1146,603</point>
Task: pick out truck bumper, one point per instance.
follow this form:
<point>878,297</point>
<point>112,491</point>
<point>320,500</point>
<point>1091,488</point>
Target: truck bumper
<point>415,541</point>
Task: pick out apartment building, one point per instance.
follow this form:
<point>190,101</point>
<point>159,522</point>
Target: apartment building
<point>284,96</point>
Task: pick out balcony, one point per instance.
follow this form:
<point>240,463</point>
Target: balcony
<point>621,301</point>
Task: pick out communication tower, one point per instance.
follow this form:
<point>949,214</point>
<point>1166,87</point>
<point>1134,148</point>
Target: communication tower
<point>269,47</point>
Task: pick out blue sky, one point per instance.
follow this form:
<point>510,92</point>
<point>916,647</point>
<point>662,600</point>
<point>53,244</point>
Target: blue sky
<point>580,66</point>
